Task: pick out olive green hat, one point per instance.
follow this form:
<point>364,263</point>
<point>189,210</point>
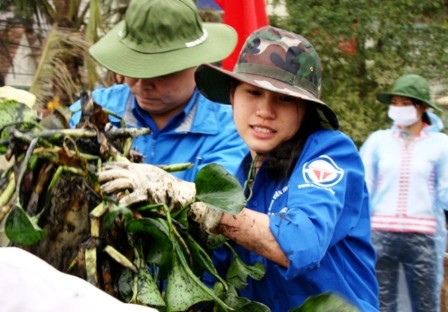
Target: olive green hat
<point>160,37</point>
<point>273,59</point>
<point>411,86</point>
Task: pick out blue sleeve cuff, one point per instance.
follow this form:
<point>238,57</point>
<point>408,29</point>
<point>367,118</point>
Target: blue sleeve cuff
<point>298,240</point>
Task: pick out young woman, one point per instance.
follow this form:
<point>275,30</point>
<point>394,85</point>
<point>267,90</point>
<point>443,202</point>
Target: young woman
<point>307,219</point>
<point>307,215</point>
<point>407,176</point>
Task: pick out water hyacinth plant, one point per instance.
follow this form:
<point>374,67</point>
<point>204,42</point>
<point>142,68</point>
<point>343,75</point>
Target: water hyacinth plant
<point>52,206</point>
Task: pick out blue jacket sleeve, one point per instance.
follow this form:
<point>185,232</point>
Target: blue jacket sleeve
<point>113,99</point>
<point>327,202</point>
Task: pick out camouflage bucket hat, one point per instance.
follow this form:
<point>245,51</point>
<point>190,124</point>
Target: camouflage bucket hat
<point>411,86</point>
<point>273,59</point>
<point>160,37</point>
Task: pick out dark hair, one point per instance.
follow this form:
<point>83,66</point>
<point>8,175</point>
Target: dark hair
<point>281,161</point>
<point>425,117</point>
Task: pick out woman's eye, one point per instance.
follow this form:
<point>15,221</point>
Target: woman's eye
<point>253,91</point>
<point>287,99</point>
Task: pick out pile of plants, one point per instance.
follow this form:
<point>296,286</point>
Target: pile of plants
<point>51,205</point>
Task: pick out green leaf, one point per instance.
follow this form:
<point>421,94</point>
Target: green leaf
<point>115,211</point>
<point>161,250</point>
<point>184,288</point>
<point>216,240</point>
<point>236,302</point>
<point>239,272</point>
<point>219,189</point>
<point>147,291</point>
<point>180,218</point>
<point>325,302</point>
<point>242,304</point>
<point>13,111</point>
<point>201,259</point>
<point>22,229</point>
<point>13,114</point>
<point>125,284</point>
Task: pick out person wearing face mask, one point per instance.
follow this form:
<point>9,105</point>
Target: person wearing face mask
<point>407,178</point>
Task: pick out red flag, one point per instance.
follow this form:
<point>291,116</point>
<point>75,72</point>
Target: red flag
<point>245,16</point>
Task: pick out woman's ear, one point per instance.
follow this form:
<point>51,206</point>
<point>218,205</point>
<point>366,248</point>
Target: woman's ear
<point>422,107</point>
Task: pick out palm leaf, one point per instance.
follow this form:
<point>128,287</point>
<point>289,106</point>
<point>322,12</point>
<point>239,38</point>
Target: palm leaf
<point>52,71</point>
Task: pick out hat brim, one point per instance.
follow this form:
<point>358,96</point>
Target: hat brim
<point>215,84</point>
<point>111,53</point>
<point>386,97</point>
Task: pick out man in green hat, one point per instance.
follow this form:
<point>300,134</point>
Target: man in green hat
<point>407,177</point>
<point>157,49</point>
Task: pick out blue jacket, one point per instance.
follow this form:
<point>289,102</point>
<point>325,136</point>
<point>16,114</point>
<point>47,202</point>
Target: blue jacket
<point>320,218</point>
<point>202,133</point>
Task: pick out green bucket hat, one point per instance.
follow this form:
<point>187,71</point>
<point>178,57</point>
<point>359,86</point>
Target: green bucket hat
<point>412,86</point>
<point>160,37</point>
<point>273,59</point>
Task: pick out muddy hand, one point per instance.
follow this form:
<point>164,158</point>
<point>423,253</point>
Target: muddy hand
<point>134,183</point>
<point>207,217</point>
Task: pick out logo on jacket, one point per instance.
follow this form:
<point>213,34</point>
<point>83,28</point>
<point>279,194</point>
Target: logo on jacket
<point>322,171</point>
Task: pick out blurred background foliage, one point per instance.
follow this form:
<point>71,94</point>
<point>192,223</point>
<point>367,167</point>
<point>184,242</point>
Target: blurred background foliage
<point>364,46</point>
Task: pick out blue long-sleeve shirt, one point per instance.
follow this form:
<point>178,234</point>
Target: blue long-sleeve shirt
<point>202,133</point>
<point>320,218</point>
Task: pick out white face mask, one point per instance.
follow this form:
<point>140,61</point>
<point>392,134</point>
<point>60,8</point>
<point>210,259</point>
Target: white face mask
<point>403,115</point>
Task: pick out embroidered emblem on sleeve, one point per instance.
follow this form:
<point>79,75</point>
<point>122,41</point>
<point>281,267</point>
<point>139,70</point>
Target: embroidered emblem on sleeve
<point>322,171</point>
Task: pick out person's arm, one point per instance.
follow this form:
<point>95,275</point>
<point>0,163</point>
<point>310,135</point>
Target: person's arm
<point>250,229</point>
<point>367,152</point>
<point>442,173</point>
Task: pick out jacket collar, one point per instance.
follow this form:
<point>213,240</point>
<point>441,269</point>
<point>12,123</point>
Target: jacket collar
<point>200,116</point>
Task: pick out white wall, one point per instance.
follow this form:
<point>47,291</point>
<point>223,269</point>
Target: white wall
<point>24,67</point>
